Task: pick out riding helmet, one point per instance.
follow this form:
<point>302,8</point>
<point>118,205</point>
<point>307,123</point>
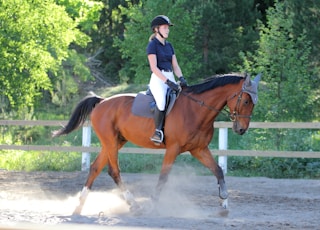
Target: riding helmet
<point>160,20</point>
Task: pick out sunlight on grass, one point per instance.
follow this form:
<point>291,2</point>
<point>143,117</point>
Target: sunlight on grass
<point>123,88</point>
<point>39,161</point>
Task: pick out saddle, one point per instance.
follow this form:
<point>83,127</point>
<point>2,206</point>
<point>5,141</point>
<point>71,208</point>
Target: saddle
<point>144,103</point>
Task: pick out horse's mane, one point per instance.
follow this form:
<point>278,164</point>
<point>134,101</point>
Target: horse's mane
<point>214,82</point>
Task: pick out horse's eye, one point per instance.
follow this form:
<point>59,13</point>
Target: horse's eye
<point>246,102</point>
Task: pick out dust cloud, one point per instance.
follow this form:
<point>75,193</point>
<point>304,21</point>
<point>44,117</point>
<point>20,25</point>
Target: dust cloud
<point>174,200</point>
<point>188,201</point>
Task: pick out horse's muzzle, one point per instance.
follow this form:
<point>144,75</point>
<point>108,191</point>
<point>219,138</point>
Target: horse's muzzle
<point>239,129</point>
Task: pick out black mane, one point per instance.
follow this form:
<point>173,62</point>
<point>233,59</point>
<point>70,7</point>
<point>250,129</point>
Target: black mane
<point>214,82</point>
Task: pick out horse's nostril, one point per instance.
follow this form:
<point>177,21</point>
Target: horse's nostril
<point>242,131</point>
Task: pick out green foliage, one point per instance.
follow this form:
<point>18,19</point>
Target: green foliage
<point>66,81</point>
<point>276,140</point>
<point>39,161</point>
<point>84,12</point>
<point>34,40</point>
<point>105,59</point>
<point>225,28</point>
<point>283,58</point>
<point>274,167</point>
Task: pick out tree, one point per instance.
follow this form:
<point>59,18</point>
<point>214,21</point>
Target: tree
<point>225,28</point>
<point>105,59</point>
<point>74,68</point>
<point>284,59</point>
<point>34,40</point>
<point>305,18</point>
<point>133,45</point>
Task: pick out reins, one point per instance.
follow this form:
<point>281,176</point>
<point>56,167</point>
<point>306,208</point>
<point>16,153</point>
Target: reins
<point>203,104</point>
<point>233,116</point>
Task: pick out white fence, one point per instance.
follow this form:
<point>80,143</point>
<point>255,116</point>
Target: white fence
<point>223,152</point>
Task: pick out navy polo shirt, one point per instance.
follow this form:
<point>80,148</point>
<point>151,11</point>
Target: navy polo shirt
<point>164,53</point>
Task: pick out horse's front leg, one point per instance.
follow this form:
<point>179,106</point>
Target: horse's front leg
<point>205,157</point>
<point>168,160</point>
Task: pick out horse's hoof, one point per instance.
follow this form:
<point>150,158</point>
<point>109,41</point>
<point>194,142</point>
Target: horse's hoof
<point>76,213</point>
<point>223,213</point>
<point>136,209</point>
<point>224,203</point>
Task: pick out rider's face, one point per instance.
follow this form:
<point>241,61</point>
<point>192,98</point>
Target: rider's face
<point>164,30</point>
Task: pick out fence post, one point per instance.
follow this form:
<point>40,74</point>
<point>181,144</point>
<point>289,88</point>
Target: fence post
<point>223,145</point>
<point>86,142</point>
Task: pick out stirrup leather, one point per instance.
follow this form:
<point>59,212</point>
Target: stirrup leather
<point>157,136</point>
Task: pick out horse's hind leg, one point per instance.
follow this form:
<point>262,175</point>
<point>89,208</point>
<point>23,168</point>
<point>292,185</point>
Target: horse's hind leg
<point>114,172</point>
<point>95,169</point>
<point>205,157</point>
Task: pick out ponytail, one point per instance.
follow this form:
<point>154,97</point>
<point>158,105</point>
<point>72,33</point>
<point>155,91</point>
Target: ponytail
<point>152,36</point>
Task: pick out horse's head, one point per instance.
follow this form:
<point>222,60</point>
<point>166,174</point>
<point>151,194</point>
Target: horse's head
<point>241,104</point>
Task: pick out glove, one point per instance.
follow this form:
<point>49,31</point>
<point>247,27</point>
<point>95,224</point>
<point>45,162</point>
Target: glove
<point>172,85</point>
<point>183,82</point>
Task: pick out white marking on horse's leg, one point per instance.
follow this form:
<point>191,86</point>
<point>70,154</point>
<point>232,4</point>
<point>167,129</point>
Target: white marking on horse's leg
<point>128,197</point>
<point>224,203</point>
<point>84,193</point>
<point>82,200</point>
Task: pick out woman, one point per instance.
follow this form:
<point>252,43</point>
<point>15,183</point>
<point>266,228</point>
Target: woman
<point>163,63</point>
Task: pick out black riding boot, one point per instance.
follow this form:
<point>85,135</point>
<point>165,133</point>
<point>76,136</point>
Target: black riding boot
<point>159,116</point>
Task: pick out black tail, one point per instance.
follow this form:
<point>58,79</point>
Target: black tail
<point>79,115</point>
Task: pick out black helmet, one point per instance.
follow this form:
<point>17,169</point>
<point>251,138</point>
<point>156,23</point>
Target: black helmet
<point>160,20</point>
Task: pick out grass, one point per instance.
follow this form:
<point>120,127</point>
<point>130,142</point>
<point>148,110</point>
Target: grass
<point>39,161</point>
<point>149,163</point>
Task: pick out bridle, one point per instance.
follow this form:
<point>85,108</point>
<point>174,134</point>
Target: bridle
<point>233,115</point>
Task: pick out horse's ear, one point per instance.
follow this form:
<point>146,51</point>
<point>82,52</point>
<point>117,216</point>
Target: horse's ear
<point>247,81</point>
<point>251,87</point>
<point>257,78</point>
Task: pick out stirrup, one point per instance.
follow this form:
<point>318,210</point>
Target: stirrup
<point>157,137</point>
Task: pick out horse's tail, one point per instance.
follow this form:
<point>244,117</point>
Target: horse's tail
<point>79,115</point>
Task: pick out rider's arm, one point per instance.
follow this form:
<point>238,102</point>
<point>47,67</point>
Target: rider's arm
<point>154,68</point>
<point>176,68</point>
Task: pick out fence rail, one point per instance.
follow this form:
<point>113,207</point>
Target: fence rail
<point>133,150</point>
<point>219,124</point>
<point>223,152</point>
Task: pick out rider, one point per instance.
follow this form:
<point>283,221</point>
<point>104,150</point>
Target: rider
<point>163,63</point>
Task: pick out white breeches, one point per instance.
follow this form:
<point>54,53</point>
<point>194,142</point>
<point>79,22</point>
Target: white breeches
<point>159,88</point>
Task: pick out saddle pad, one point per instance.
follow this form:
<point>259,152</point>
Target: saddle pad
<point>142,105</point>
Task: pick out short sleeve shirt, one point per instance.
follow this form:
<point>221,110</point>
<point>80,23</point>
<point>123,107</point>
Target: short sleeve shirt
<point>164,53</point>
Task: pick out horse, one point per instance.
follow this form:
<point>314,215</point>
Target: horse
<point>188,127</point>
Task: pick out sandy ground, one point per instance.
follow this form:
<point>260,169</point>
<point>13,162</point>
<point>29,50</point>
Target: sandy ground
<point>45,200</point>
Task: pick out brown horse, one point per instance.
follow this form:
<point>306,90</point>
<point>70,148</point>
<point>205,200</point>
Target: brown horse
<point>188,127</point>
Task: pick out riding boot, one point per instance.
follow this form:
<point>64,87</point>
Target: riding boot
<point>159,116</point>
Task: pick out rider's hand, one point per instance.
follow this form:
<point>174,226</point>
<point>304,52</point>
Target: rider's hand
<point>183,82</point>
<point>172,85</point>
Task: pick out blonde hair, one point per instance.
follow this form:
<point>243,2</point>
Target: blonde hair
<point>152,36</point>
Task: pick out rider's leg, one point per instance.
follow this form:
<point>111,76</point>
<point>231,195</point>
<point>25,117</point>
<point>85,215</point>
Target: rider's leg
<point>159,90</point>
<point>158,121</point>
